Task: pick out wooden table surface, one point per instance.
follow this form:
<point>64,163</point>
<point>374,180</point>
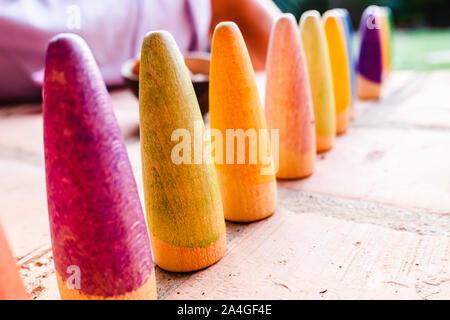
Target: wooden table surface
<point>372,222</point>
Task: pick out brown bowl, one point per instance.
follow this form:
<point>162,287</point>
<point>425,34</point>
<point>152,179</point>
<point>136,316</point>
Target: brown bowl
<point>197,63</point>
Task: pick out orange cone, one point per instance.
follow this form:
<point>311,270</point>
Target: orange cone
<point>337,47</point>
<point>385,35</point>
<point>247,181</point>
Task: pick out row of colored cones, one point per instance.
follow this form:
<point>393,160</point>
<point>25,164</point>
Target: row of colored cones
<point>312,80</point>
<point>101,245</point>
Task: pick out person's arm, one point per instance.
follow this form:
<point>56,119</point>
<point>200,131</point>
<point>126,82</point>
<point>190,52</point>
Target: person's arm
<point>108,28</point>
<point>113,30</point>
<point>254,18</point>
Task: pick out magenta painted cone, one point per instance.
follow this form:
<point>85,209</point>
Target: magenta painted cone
<point>100,242</point>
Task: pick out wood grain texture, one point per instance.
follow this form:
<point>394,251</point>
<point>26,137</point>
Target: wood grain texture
<point>321,81</point>
<point>96,219</point>
<point>289,106</point>
<point>247,193</point>
<point>306,255</point>
<point>406,197</point>
<point>335,34</point>
<point>183,202</point>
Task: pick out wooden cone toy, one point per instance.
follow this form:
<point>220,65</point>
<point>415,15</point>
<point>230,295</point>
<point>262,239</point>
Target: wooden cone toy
<point>11,285</point>
<point>288,100</point>
<point>334,31</point>
<point>100,242</point>
<point>320,78</point>
<point>348,31</point>
<point>370,62</point>
<point>391,32</point>
<point>182,198</point>
<point>385,34</point>
<point>249,190</point>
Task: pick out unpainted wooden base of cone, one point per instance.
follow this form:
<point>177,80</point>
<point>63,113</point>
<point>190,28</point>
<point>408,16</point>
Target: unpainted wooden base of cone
<point>182,259</point>
<point>146,292</point>
<point>367,89</point>
<point>247,201</point>
<point>324,144</point>
<point>342,121</point>
<point>296,166</point>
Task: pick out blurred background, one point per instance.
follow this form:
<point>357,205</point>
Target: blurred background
<point>422,37</point>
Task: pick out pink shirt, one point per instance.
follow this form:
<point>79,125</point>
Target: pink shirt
<point>113,29</point>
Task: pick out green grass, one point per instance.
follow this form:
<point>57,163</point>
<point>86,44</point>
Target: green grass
<point>421,49</point>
